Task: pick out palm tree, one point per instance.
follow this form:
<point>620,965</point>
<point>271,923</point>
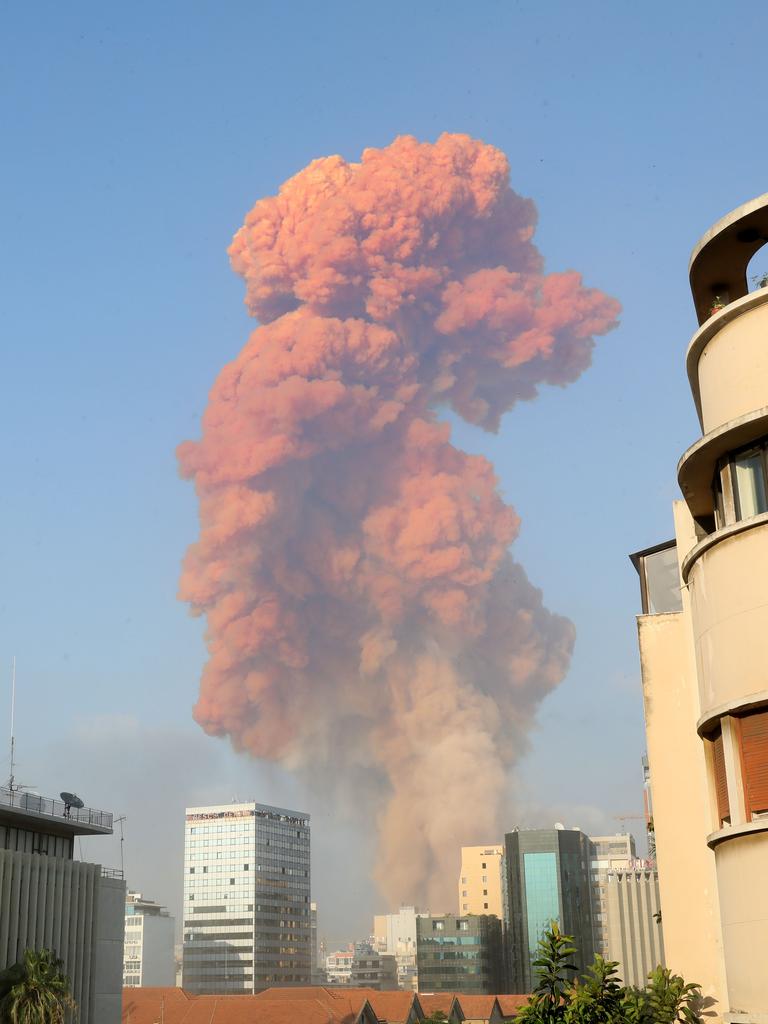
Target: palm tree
<point>36,990</point>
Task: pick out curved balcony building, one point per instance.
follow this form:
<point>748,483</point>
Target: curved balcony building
<point>704,642</point>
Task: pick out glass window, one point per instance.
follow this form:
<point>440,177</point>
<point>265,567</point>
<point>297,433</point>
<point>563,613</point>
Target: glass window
<point>662,580</point>
<point>749,483</point>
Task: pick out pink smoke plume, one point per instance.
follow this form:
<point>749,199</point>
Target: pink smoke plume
<point>365,617</point>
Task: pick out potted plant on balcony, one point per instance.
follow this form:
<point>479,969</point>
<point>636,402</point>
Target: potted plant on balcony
<point>717,305</point>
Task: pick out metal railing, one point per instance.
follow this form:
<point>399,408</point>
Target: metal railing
<point>34,804</point>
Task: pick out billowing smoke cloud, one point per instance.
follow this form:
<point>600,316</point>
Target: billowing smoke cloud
<point>366,623</point>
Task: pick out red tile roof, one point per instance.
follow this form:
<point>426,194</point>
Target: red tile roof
<point>511,1004</point>
<point>144,1006</point>
<point>477,1007</point>
<point>431,1002</point>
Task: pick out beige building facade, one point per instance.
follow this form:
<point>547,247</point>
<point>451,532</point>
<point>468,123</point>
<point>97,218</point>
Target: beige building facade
<point>480,880</point>
<point>703,641</point>
<point>634,937</point>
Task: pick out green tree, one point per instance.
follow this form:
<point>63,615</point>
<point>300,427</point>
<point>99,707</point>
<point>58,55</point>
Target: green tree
<point>597,997</point>
<point>549,1000</point>
<point>35,990</point>
<point>667,999</point>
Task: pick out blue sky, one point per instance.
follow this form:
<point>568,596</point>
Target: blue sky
<point>136,137</point>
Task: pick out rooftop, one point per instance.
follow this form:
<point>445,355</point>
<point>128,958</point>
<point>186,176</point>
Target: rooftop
<point>41,813</point>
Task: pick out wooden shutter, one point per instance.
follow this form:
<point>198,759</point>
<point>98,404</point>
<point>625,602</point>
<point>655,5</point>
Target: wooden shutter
<point>721,783</point>
<point>754,752</point>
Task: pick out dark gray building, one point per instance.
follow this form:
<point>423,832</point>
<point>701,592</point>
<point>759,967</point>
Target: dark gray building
<point>460,954</point>
<point>50,900</point>
<point>547,878</point>
<point>247,919</point>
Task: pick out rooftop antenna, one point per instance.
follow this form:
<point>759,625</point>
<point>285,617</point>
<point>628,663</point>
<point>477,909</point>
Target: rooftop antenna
<point>120,821</point>
<point>11,780</point>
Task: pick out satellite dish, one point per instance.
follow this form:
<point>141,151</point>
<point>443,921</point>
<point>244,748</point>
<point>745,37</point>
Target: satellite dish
<point>559,826</point>
<point>71,800</point>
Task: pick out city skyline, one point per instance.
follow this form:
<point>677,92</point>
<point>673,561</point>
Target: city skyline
<point>135,189</point>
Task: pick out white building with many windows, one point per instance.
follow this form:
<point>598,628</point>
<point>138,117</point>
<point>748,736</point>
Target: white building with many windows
<point>247,922</point>
<point>148,957</point>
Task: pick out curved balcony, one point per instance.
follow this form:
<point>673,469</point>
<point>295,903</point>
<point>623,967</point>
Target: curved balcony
<point>696,468</point>
<point>719,261</point>
<point>725,574</point>
<point>727,361</point>
<point>744,917</point>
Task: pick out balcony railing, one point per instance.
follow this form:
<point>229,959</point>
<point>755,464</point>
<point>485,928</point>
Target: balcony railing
<point>34,804</point>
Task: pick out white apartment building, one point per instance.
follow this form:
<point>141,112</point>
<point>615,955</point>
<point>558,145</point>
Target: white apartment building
<point>395,934</point>
<point>247,922</point>
<point>338,967</point>
<point>148,954</point>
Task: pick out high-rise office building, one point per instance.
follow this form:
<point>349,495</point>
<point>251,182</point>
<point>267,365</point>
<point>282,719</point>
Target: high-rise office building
<point>148,955</point>
<point>607,853</point>
<point>547,879</point>
<point>49,899</point>
<point>247,921</point>
<point>703,637</point>
<point>458,953</point>
<point>480,880</point>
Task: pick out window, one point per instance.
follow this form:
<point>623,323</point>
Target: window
<point>484,878</point>
<point>753,730</point>
<point>485,892</point>
<point>659,579</point>
<point>749,483</point>
<point>484,865</point>
<point>741,483</point>
<point>485,906</point>
<point>463,880</point>
<point>465,906</point>
<point>463,892</point>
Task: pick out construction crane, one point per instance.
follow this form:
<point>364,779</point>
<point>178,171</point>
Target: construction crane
<point>648,828</point>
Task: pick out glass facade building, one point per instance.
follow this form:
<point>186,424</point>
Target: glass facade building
<point>547,879</point>
<point>460,954</point>
<point>247,920</point>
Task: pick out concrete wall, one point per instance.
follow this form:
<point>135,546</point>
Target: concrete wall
<point>634,936</point>
<point>729,607</point>
<point>108,951</point>
<point>732,368</point>
<point>66,906</point>
<point>683,811</point>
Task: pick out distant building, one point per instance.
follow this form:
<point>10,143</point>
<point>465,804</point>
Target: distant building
<point>396,934</point>
<point>608,853</point>
<point>547,878</point>
<point>480,880</point>
<point>318,965</point>
<point>48,899</point>
<point>372,969</point>
<point>247,921</point>
<point>460,954</point>
<point>635,938</point>
<point>148,955</point>
<point>338,967</point>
